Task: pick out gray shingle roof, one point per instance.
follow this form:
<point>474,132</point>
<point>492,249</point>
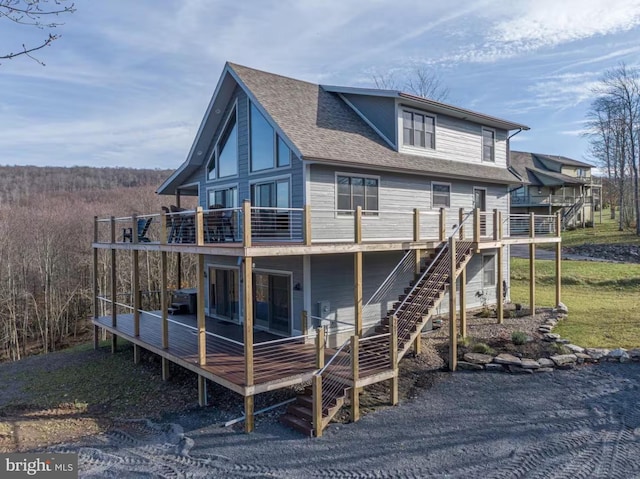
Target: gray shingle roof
<point>525,166</point>
<point>324,128</point>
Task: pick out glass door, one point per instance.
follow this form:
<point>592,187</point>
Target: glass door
<point>480,201</point>
<point>272,302</point>
<point>223,294</point>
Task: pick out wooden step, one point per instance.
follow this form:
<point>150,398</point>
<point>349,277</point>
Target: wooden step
<point>294,422</point>
<point>300,411</point>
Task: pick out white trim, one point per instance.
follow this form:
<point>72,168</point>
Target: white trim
<point>352,175</point>
<point>221,187</point>
<point>214,155</point>
<point>368,122</point>
<point>433,205</point>
<point>416,150</point>
<point>306,288</point>
<point>208,268</point>
<point>278,273</point>
<point>495,141</point>
<point>271,179</point>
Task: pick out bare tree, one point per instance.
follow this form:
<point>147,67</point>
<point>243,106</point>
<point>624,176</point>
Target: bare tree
<point>420,80</point>
<point>41,14</point>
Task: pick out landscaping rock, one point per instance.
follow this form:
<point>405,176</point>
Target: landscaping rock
<point>545,329</point>
<point>562,341</point>
<point>519,370</point>
<point>469,366</point>
<point>551,337</point>
<point>582,357</point>
<point>546,363</point>
<point>544,370</point>
<point>634,354</point>
<point>617,353</point>
<point>597,353</point>
<point>494,368</point>
<point>574,348</point>
<point>564,359</point>
<point>562,308</point>
<point>529,363</point>
<point>508,359</point>
<point>567,366</point>
<point>561,316</point>
<point>478,358</point>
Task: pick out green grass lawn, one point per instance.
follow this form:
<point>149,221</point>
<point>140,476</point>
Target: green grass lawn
<point>607,232</point>
<point>603,299</point>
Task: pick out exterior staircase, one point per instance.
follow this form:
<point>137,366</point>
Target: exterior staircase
<point>413,310</point>
<point>569,215</point>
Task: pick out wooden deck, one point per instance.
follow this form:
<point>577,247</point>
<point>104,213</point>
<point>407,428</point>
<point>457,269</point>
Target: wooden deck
<point>276,364</point>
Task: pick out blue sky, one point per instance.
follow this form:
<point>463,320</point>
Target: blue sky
<point>129,81</point>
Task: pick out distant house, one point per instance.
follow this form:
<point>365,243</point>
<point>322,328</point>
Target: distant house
<point>345,217</point>
<point>551,183</point>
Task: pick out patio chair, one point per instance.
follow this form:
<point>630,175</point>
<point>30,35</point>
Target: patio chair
<point>143,228</point>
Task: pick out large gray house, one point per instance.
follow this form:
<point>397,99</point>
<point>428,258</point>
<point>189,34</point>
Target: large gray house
<point>325,210</point>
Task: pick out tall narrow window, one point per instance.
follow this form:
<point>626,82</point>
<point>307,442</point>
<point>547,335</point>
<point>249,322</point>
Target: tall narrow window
<point>224,158</point>
<point>418,130</point>
<point>354,191</point>
<point>262,137</point>
<point>284,153</point>
<point>488,270</point>
<point>488,145</point>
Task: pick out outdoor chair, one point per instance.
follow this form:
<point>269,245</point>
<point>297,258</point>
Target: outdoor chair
<point>143,228</point>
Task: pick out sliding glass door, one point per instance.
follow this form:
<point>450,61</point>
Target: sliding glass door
<point>272,302</point>
<point>223,294</point>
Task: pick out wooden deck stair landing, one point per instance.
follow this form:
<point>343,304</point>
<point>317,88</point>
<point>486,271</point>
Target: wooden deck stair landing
<point>413,310</point>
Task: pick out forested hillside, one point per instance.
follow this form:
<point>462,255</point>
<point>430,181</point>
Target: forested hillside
<point>46,228</point>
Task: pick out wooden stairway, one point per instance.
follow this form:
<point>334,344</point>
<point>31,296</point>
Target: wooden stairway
<point>413,309</point>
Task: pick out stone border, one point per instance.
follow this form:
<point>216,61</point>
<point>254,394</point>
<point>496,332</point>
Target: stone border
<point>505,362</point>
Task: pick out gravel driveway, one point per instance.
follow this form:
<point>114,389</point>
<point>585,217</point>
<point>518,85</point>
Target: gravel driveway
<point>565,424</point>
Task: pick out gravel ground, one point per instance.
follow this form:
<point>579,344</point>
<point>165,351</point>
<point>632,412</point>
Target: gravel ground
<point>582,423</point>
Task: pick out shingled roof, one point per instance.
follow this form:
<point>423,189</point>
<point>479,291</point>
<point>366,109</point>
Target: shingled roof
<point>527,166</point>
<point>325,129</point>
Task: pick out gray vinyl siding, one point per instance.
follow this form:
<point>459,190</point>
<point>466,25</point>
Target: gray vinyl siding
<point>380,111</point>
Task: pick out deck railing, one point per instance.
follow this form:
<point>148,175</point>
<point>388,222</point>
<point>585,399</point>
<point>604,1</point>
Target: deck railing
<point>248,225</point>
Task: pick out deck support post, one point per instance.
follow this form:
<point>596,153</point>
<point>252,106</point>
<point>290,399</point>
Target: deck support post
<point>247,278</point>
<point>559,259</point>
<point>163,300</point>
<point>355,390</point>
<point>200,318</point>
<point>202,391</point>
<point>136,354</point>
<point>442,227</point>
<point>416,239</point>
<point>246,223</point>
<point>135,291</point>
<point>166,373</point>
<point>316,384</point>
<point>357,290</point>
<point>306,232</point>
<point>199,226</point>
<point>463,302</point>
<point>114,287</point>
<point>320,348</point>
<point>96,288</point>
<point>460,220</point>
<point>499,266</point>
<point>393,355</point>
<point>476,226</point>
<point>453,322</point>
<point>304,323</point>
<point>249,424</point>
<point>179,255</point>
<point>357,225</point>
<point>532,265</point>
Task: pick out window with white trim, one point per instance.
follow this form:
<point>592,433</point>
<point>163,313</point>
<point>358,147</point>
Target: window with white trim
<point>441,195</point>
<point>268,150</point>
<point>488,270</point>
<point>488,145</point>
<point>418,129</point>
<point>224,158</point>
<point>354,191</point>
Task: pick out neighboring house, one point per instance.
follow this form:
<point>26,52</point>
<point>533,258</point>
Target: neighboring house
<point>551,184</point>
<point>325,212</point>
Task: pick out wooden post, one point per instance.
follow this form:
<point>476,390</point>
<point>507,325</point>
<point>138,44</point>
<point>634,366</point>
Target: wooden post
<point>463,302</point>
<point>179,270</point>
<point>393,355</point>
<point>499,286</point>
<point>114,287</point>
<point>500,231</point>
<point>532,264</point>
<point>136,354</point>
<point>307,225</point>
<point>418,262</point>
<point>304,326</point>
<point>357,226</point>
<point>443,225</point>
<point>247,266</point>
<point>496,232</point>
<point>320,348</point>
<point>460,220</point>
<point>249,424</point>
<point>199,226</point>
<point>164,236</point>
<point>246,223</point>
<point>96,288</point>
<point>453,326</point>
<point>166,374</point>
<point>355,394</point>
<point>316,384</point>
<point>416,224</point>
<point>559,258</point>
<point>163,300</point>
<point>476,225</point>
<point>202,391</point>
<point>201,324</point>
<point>357,290</point>
<point>135,292</point>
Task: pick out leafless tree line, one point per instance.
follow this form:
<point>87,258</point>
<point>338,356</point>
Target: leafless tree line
<point>614,135</point>
<point>46,286</point>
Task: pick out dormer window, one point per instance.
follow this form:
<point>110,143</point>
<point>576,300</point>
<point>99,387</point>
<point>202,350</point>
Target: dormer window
<point>224,158</point>
<point>418,130</point>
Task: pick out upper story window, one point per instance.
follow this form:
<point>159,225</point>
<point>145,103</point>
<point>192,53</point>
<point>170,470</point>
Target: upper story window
<point>224,158</point>
<point>354,191</point>
<point>441,195</point>
<point>580,173</point>
<point>224,198</point>
<point>268,150</point>
<point>488,145</point>
<point>418,130</point>
<point>271,194</point>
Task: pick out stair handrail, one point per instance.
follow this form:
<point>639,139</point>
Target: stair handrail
<point>389,276</point>
<point>435,260</point>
